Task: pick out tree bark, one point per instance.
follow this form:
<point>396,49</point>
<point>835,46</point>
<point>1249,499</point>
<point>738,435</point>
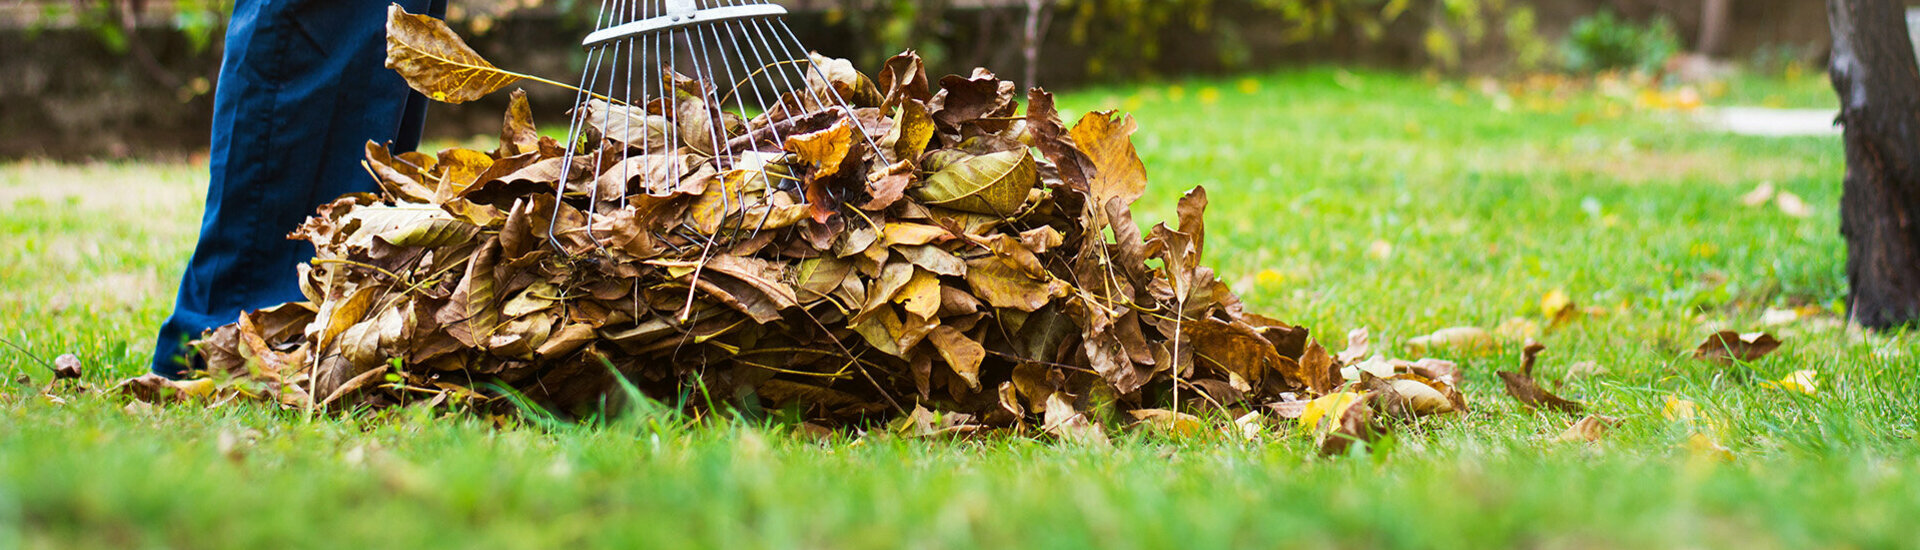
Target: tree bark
<point>1874,72</point>
<point>1038,18</point>
<point>1716,22</point>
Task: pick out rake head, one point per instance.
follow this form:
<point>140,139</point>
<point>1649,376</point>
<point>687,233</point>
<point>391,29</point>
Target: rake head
<point>679,93</point>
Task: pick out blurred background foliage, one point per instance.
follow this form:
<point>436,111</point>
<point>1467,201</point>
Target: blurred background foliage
<point>104,77</point>
<point>1113,38</point>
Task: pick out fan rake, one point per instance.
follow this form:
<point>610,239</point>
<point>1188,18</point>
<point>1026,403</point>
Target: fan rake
<point>672,87</point>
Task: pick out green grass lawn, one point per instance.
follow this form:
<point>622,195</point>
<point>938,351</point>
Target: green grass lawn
<point>1340,200</point>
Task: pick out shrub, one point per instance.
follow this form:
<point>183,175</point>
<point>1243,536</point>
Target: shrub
<point>1604,41</point>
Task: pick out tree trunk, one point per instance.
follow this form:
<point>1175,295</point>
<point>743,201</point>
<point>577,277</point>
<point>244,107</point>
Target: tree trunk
<point>1037,19</point>
<point>1879,87</point>
<point>1716,21</point>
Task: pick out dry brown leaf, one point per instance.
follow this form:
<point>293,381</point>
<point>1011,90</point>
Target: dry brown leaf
<point>1457,339</point>
<point>1791,205</point>
<point>1107,139</point>
<point>1522,386</point>
<point>1357,347</point>
<point>437,62</point>
<point>1069,425</point>
<point>903,80</point>
<point>823,151</point>
<point>1759,196</point>
<point>1587,369</point>
<point>518,134</point>
<point>1290,410</point>
<point>153,388</point>
<point>1407,397</point>
<point>1729,346</point>
<point>816,274</point>
<point>66,367</point>
<point>961,353</point>
<point>1558,307</point>
<point>1167,422</point>
<point>1589,429</point>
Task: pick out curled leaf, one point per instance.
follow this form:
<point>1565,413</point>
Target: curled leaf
<point>1522,386</point>
<point>1729,346</point>
<point>436,62</point>
<point>66,367</point>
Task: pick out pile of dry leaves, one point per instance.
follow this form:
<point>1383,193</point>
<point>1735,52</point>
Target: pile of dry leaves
<point>973,259</point>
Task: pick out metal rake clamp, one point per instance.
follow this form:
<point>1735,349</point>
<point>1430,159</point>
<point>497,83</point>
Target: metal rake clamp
<point>672,85</point>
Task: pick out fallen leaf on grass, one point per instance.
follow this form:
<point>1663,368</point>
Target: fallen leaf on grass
<point>1589,429</point>
<point>153,388</point>
<point>926,423</point>
<point>1167,422</point>
<point>1680,410</point>
<point>1251,425</point>
<point>1557,307</point>
<point>1517,329</point>
<point>66,367</point>
<point>1291,410</point>
<point>1774,317</point>
<point>1801,381</point>
<point>1380,250</point>
<point>1350,425</point>
<point>1356,347</point>
<point>1791,205</point>
<point>1460,339</point>
<point>1069,425</point>
<point>1408,397</point>
<point>234,444</point>
<point>1378,366</point>
<point>1759,195</point>
<point>1729,346</point>
<point>1587,369</point>
<point>139,408</point>
<point>1522,386</point>
<point>1313,411</point>
<point>1705,447</point>
<point>1340,420</point>
<point>813,432</point>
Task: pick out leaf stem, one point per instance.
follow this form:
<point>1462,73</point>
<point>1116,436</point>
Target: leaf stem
<point>30,354</point>
<point>569,87</point>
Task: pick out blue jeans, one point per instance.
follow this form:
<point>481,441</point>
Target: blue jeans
<point>303,87</point>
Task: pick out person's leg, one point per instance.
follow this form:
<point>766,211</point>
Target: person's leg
<point>303,87</point>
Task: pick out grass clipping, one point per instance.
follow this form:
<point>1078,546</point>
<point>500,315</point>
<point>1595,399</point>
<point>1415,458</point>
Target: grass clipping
<point>968,260</point>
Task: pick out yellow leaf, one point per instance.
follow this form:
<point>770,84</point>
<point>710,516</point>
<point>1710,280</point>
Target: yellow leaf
<point>1167,422</point>
<point>921,296</point>
<point>1329,406</point>
<point>1108,140</point>
<point>1704,446</point>
<point>1556,306</point>
<point>1680,410</point>
<point>824,150</point>
<point>1802,381</point>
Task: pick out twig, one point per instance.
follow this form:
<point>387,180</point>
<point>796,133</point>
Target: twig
<point>36,358</point>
